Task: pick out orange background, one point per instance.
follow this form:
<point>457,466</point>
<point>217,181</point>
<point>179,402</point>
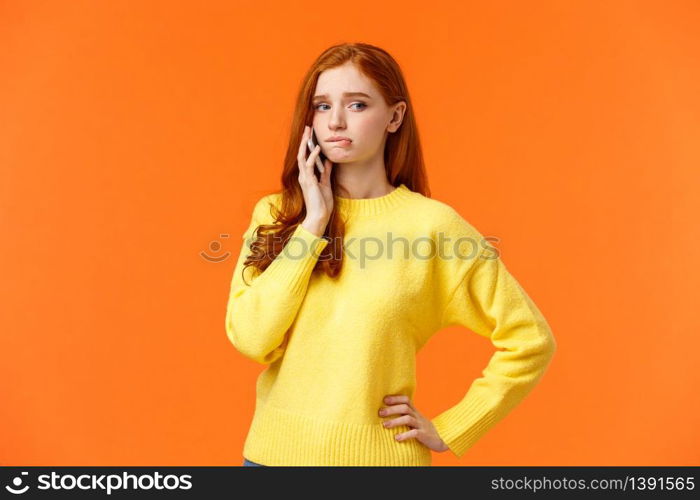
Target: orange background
<point>133,135</point>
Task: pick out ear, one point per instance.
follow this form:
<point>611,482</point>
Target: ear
<point>397,116</point>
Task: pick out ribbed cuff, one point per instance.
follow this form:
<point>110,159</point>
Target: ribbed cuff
<point>293,265</point>
<point>464,424</point>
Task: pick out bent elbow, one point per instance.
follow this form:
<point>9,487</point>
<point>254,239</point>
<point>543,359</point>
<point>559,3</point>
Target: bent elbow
<point>550,344</point>
<point>546,347</point>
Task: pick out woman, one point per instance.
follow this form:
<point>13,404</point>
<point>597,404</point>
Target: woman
<point>322,296</point>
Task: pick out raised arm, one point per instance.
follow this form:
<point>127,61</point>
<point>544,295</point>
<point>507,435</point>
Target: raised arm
<point>490,302</point>
<point>260,312</point>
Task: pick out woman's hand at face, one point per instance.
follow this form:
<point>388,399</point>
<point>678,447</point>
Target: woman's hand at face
<point>422,428</point>
<point>318,195</point>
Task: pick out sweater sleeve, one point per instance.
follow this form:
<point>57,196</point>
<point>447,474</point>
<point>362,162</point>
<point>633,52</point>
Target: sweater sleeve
<point>489,301</point>
<point>262,308</point>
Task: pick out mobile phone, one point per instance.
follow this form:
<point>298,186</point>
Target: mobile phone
<point>311,143</point>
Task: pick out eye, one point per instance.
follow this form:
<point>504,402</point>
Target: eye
<point>359,102</point>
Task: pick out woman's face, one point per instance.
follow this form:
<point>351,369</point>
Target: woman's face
<point>365,119</point>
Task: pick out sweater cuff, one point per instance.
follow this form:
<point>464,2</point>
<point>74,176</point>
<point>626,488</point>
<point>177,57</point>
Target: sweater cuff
<point>461,426</point>
<point>293,265</point>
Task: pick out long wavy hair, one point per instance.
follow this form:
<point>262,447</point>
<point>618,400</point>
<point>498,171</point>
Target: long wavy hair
<point>403,156</point>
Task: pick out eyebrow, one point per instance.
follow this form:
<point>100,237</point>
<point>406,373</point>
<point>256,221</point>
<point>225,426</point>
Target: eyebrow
<point>345,94</point>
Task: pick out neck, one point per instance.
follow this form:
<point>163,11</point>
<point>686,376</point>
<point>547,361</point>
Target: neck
<point>363,183</point>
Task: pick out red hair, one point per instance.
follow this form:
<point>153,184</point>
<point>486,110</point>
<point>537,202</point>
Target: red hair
<point>403,157</point>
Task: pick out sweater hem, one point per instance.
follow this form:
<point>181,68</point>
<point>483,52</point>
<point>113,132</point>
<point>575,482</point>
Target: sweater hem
<point>278,437</point>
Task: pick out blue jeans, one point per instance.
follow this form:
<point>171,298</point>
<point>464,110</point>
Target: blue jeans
<point>247,462</point>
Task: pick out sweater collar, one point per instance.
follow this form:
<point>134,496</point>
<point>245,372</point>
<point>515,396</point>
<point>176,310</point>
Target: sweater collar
<point>373,206</point>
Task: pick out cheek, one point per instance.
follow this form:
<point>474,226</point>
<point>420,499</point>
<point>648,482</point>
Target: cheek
<point>376,122</point>
<point>371,129</point>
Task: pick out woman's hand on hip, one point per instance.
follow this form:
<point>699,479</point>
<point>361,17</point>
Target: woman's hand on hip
<point>422,428</point>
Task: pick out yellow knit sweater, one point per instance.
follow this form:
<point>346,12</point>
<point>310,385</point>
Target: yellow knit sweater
<point>334,347</point>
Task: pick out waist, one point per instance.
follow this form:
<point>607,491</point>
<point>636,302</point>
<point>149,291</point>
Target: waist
<point>281,438</point>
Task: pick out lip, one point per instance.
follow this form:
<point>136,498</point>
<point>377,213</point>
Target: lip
<point>337,138</point>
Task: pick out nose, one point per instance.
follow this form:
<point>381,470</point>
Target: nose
<point>337,120</point>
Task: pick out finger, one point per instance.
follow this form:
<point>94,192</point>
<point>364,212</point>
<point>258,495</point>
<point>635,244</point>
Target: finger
<point>413,433</point>
<point>394,409</point>
<point>301,156</point>
<point>326,175</point>
<point>408,420</point>
<point>314,153</point>
<point>311,160</point>
<point>398,398</point>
